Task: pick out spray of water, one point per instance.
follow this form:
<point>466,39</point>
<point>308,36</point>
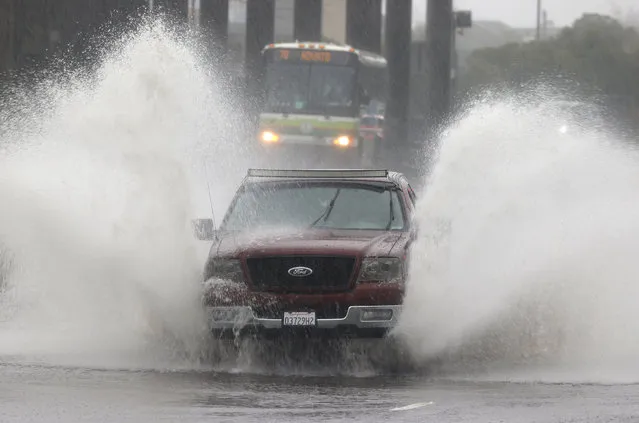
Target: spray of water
<point>526,253</point>
<point>100,174</point>
<point>528,244</point>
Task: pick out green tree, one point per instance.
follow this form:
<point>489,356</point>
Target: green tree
<point>597,53</point>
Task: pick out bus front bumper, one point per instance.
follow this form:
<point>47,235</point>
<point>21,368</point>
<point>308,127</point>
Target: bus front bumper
<point>331,142</point>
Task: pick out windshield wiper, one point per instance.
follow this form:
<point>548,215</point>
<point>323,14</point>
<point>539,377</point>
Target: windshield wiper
<point>391,218</point>
<point>328,210</point>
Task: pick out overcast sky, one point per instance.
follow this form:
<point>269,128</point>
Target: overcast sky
<point>522,13</point>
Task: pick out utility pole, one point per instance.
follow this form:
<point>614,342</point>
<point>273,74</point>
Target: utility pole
<point>538,20</point>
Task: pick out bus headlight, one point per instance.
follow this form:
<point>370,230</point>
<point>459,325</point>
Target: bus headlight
<point>342,141</point>
<point>269,137</point>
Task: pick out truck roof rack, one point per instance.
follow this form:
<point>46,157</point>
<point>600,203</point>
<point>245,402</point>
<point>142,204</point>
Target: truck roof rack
<point>318,173</point>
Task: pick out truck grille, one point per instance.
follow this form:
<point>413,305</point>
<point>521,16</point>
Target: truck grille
<point>330,274</point>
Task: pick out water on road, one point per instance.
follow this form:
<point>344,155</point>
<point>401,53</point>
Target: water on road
<point>53,394</point>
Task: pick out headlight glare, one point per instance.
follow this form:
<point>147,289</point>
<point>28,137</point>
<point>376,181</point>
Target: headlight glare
<point>342,141</point>
<point>269,137</point>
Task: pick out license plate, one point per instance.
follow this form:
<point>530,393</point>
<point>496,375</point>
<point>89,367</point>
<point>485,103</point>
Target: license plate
<point>299,318</point>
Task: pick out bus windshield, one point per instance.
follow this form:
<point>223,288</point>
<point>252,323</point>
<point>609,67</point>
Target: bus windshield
<point>310,89</point>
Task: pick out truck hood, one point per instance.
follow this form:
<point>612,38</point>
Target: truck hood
<point>340,242</point>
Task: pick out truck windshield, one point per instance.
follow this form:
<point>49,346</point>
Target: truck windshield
<point>310,89</point>
<point>333,206</point>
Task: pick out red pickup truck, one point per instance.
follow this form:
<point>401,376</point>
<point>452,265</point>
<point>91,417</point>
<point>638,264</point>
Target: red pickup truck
<point>308,252</point>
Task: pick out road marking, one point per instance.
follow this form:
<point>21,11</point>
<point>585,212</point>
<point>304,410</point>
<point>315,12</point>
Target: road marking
<point>412,406</point>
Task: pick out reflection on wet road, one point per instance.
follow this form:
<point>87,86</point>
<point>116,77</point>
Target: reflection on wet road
<point>54,394</point>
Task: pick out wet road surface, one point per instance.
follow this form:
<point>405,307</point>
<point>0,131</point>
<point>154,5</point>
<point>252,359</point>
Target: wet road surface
<point>35,393</point>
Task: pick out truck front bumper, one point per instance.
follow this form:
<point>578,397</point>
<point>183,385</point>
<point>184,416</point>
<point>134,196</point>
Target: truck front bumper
<point>360,322</point>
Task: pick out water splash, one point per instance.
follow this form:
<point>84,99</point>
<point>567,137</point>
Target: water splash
<point>101,171</point>
<point>100,174</point>
<point>528,245</point>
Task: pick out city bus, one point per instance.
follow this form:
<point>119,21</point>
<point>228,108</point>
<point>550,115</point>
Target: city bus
<point>315,95</point>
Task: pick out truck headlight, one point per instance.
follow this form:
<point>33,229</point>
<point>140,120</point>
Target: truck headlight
<point>225,269</point>
<point>382,270</point>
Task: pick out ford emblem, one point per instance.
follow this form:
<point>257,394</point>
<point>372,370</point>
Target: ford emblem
<point>300,271</point>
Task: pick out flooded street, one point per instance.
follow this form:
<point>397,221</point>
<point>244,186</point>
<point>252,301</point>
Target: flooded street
<point>526,253</point>
<point>54,394</point>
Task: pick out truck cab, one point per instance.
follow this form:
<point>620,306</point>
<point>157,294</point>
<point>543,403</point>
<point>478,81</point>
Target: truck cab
<point>310,252</point>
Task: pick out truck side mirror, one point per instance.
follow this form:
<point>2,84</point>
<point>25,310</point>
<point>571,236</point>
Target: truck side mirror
<point>204,229</point>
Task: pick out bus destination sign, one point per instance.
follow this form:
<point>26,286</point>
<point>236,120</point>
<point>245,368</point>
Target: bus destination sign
<point>309,56</point>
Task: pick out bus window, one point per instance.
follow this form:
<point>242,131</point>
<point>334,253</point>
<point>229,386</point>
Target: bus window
<point>311,89</point>
<point>287,87</point>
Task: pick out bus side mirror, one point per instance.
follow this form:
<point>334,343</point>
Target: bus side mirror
<point>363,97</point>
<point>204,229</point>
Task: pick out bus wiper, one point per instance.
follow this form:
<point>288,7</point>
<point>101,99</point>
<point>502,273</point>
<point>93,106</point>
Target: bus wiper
<point>391,218</point>
<point>328,210</point>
